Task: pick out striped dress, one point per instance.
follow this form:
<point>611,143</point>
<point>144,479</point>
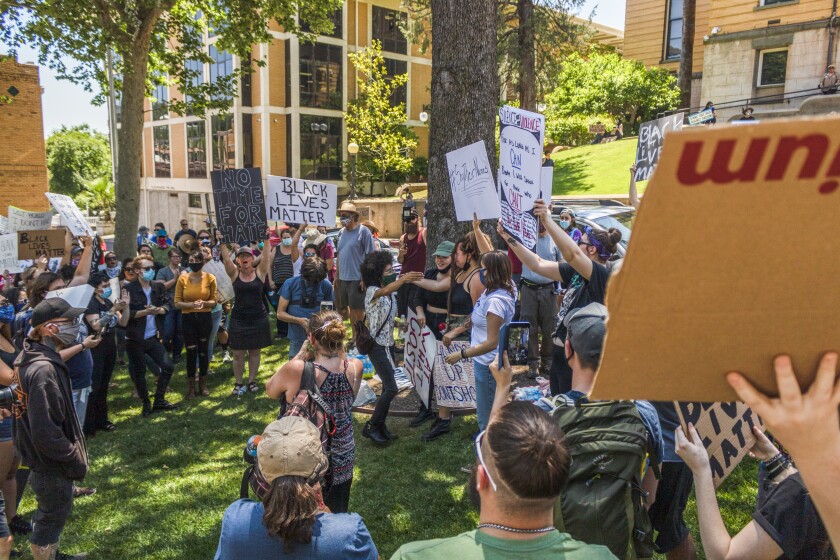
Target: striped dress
<point>338,393</point>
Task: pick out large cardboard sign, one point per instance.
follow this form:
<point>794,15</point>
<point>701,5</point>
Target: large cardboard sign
<point>726,429</point>
<point>691,309</point>
<point>298,201</point>
<point>70,213</point>
<point>240,204</point>
<point>521,135</point>
<point>24,220</point>
<point>651,137</point>
<point>9,254</point>
<point>454,385</point>
<point>32,244</point>
<point>420,352</point>
<point>224,287</point>
<point>472,183</point>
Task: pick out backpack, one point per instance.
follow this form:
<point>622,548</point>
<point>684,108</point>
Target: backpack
<point>603,503</point>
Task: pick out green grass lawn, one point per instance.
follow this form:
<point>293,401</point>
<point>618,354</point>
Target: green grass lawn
<point>164,482</point>
<point>595,170</point>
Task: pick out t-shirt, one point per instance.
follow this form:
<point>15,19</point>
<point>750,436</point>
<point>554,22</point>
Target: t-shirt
<point>579,292</point>
<point>670,421</point>
<point>293,291</point>
<point>186,291</point>
<point>334,535</point>
<point>328,252</point>
<point>546,250</point>
<point>165,274</point>
<point>476,545</point>
<point>151,325</point>
<point>381,310</point>
<point>788,515</point>
<point>96,307</point>
<point>353,246</point>
<point>80,366</point>
<point>498,302</point>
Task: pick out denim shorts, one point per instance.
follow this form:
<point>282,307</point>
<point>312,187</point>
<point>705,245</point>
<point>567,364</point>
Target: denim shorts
<point>5,430</point>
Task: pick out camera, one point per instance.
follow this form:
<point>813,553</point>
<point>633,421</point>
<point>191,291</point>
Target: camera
<point>408,206</point>
<point>7,396</point>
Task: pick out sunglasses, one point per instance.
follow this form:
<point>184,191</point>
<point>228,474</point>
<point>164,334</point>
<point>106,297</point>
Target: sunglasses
<point>142,268</point>
<point>204,239</point>
<point>309,255</point>
<point>481,458</point>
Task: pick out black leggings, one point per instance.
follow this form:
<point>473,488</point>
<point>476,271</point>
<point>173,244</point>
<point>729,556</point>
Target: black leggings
<point>338,497</point>
<point>197,329</point>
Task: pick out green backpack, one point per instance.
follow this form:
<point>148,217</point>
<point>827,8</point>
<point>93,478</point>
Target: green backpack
<point>603,502</point>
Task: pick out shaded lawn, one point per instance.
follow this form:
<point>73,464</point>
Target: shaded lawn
<point>595,170</point>
<point>164,482</point>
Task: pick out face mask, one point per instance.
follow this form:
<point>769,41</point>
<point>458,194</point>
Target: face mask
<point>260,245</point>
<point>565,224</point>
<point>196,267</point>
<point>345,221</point>
<point>445,270</point>
<point>7,313</point>
<point>149,275</point>
<point>106,293</point>
<point>74,263</point>
<point>67,334</point>
<point>287,242</point>
<point>162,243</point>
<point>19,306</point>
<point>205,241</point>
<point>112,272</point>
<point>389,278</point>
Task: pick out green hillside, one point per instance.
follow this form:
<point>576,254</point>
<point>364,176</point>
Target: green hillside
<point>599,169</point>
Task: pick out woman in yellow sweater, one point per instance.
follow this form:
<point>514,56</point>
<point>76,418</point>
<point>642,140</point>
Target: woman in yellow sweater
<point>195,296</point>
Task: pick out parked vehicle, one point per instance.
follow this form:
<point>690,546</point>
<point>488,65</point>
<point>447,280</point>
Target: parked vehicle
<point>602,217</point>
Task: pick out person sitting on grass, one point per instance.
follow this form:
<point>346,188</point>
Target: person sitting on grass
<point>291,520</point>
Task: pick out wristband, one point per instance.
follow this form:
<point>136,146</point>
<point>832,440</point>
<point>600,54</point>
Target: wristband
<point>82,344</point>
<point>464,353</point>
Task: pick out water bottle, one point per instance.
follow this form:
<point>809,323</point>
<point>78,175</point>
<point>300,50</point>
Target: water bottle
<point>242,390</point>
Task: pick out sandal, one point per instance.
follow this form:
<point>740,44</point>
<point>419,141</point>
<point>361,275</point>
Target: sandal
<point>236,388</point>
<point>253,387</point>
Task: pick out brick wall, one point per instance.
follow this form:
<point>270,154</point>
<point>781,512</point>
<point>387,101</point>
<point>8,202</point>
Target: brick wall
<point>23,159</point>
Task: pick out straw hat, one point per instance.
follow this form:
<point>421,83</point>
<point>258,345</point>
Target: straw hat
<point>348,207</point>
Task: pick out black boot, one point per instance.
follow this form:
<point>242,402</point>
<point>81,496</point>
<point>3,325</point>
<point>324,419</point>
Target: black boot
<point>147,407</point>
<point>439,428</point>
<point>163,404</point>
<point>385,432</point>
<point>374,434</point>
<point>422,417</point>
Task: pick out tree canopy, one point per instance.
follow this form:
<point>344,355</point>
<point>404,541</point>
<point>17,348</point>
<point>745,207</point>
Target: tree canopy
<point>76,155</point>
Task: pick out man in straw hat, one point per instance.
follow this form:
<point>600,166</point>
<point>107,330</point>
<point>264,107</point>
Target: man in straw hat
<point>355,242</point>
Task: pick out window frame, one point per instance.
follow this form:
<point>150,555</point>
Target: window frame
<point>308,54</point>
<point>387,45</point>
<point>773,3</point>
<point>231,148</point>
<point>668,30</point>
<point>168,162</point>
<point>160,106</point>
<point>191,198</point>
<point>187,138</point>
<point>760,68</point>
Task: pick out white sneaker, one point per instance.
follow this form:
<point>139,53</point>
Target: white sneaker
<point>226,358</point>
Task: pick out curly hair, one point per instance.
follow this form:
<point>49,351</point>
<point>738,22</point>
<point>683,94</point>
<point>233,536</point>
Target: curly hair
<point>313,270</point>
<point>329,330</point>
<point>374,266</point>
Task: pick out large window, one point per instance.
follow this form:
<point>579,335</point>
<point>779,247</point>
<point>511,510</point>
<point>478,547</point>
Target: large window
<point>320,76</point>
<point>197,68</point>
<point>196,150</point>
<point>222,64</point>
<point>247,140</point>
<point>224,146</point>
<point>320,147</point>
<point>160,104</point>
<point>674,30</point>
<point>386,28</point>
<point>774,2</point>
<point>395,68</point>
<point>162,154</point>
<point>337,18</point>
<point>772,67</point>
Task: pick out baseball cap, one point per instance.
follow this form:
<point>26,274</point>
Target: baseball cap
<point>587,328</point>
<point>54,308</point>
<point>244,251</point>
<point>444,249</point>
<point>291,446</point>
<point>143,229</point>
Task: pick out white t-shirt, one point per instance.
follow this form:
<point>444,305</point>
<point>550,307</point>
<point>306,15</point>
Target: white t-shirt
<point>499,303</point>
<point>377,311</point>
<point>151,325</point>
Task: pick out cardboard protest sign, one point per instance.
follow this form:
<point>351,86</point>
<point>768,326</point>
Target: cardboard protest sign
<point>688,306</point>
<point>420,351</point>
<point>699,118</point>
<point>70,213</point>
<point>23,220</point>
<point>598,128</point>
<point>240,205</point>
<point>454,385</point>
<point>32,244</point>
<point>521,135</point>
<point>651,137</point>
<point>472,183</point>
<point>726,429</point>
<point>224,287</point>
<point>298,201</point>
<point>9,254</point>
<point>77,296</point>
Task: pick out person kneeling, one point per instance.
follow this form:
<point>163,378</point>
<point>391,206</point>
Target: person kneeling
<point>291,520</point>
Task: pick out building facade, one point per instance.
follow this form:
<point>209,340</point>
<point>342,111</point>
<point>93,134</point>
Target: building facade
<point>770,54</point>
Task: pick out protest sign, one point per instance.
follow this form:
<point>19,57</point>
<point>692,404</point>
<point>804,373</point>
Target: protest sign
<point>297,201</point>
<point>77,296</point>
<point>454,385</point>
<point>70,213</point>
<point>701,117</point>
<point>53,264</point>
<point>32,244</point>
<point>420,351</point>
<point>116,290</point>
<point>224,287</point>
<point>726,429</point>
<point>651,137</point>
<point>240,205</point>
<point>472,184</point>
<point>9,254</point>
<point>23,220</point>
<point>682,306</point>
<point>521,135</point>
<point>546,179</point>
<point>4,225</point>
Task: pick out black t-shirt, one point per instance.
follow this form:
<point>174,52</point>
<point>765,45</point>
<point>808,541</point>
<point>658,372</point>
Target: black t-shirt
<point>96,307</point>
<point>580,292</point>
<point>788,515</point>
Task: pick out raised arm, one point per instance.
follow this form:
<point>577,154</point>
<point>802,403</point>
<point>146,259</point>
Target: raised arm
<point>634,193</point>
<point>264,268</point>
<point>229,266</point>
<point>296,242</point>
<point>483,242</point>
<point>83,270</point>
<point>534,262</point>
<point>572,254</point>
<point>441,285</point>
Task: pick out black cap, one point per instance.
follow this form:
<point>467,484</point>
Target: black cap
<point>587,328</point>
<point>52,309</point>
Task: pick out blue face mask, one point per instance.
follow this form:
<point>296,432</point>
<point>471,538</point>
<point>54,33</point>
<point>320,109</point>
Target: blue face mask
<point>565,224</point>
<point>19,306</point>
<point>149,275</point>
<point>106,293</point>
<point>260,245</point>
<point>7,313</point>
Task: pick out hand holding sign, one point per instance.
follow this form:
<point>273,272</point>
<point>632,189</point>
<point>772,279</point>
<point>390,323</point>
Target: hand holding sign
<point>689,446</point>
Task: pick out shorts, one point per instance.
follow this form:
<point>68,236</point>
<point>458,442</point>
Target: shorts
<point>5,430</point>
<point>666,513</point>
<point>349,294</point>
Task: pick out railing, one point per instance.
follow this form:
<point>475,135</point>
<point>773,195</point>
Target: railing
<point>751,101</point>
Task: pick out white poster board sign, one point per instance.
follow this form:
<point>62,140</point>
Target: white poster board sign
<point>454,385</point>
<point>224,286</point>
<point>298,201</point>
<point>9,254</point>
<point>77,296</point>
<point>473,188</point>
<point>73,217</point>
<point>521,136</point>
<point>116,290</point>
<point>420,351</point>
<point>546,180</point>
<point>4,225</point>
<point>23,220</point>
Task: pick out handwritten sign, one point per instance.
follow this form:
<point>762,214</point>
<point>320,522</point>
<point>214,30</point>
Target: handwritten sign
<point>224,287</point>
<point>651,138</point>
<point>420,351</point>
<point>4,225</point>
<point>454,385</point>
<point>701,117</point>
<point>599,128</point>
<point>23,220</point>
<point>77,296</point>
<point>473,187</point>
<point>240,205</point>
<point>726,429</point>
<point>521,135</point>
<point>70,214</point>
<point>298,201</point>
<point>32,244</point>
<point>9,254</point>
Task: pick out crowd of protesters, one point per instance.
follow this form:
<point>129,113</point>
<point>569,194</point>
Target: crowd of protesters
<point>534,473</point>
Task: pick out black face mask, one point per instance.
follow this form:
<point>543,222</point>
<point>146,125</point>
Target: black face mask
<point>445,270</point>
<point>196,267</point>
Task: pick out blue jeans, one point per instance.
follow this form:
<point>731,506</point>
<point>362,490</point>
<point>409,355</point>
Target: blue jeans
<point>294,347</point>
<point>80,403</point>
<point>485,391</point>
<point>383,363</point>
<point>216,317</point>
<point>172,339</point>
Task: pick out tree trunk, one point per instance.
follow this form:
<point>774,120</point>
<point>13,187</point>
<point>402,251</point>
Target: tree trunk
<point>527,56</point>
<point>465,89</point>
<point>687,59</point>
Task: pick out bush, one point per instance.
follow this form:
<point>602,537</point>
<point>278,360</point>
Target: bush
<point>574,130</point>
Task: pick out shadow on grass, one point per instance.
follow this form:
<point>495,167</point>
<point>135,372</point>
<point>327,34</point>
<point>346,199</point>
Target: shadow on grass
<point>571,176</point>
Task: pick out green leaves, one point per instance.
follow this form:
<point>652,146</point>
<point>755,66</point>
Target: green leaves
<point>75,156</point>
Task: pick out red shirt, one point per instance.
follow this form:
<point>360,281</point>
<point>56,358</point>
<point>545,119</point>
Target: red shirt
<point>515,263</point>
